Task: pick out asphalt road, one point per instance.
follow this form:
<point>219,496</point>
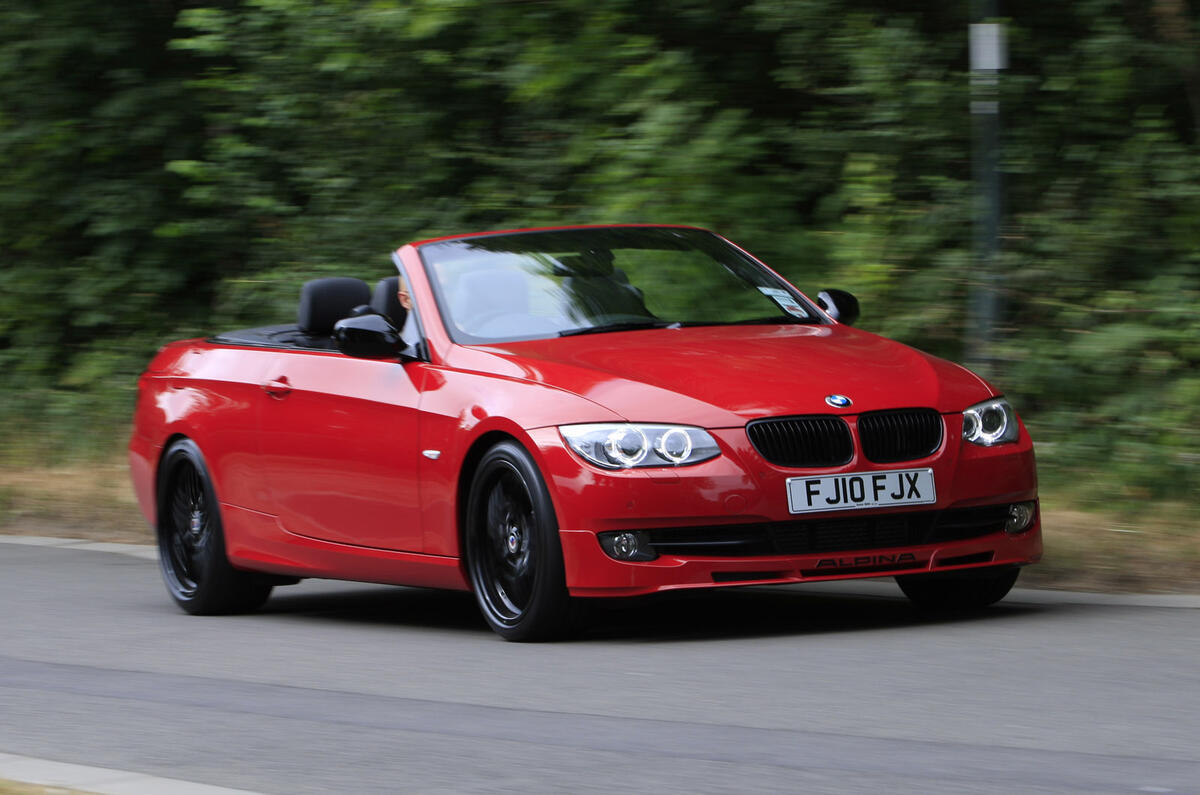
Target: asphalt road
<point>338,687</point>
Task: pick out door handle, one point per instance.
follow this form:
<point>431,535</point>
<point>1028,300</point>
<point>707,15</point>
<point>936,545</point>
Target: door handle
<point>279,388</point>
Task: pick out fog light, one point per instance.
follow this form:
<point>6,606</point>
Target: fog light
<point>1020,517</point>
<point>625,545</point>
<point>628,545</point>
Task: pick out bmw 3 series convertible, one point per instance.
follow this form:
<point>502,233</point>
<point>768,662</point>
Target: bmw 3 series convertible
<point>548,416</point>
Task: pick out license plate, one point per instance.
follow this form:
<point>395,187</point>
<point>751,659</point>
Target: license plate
<point>861,490</point>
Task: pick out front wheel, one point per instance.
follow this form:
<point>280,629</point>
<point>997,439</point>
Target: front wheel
<point>191,541</point>
<point>514,556</point>
<point>969,589</point>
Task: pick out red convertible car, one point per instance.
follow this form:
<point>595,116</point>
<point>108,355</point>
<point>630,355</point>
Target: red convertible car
<point>542,416</point>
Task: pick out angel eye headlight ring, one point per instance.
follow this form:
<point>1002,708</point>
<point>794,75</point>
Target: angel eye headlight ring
<point>675,445</point>
<point>625,445</point>
<point>990,423</point>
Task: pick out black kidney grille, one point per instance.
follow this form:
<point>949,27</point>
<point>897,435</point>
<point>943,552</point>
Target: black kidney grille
<point>900,435</point>
<point>816,441</point>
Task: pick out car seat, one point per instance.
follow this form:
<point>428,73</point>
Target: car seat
<point>324,302</point>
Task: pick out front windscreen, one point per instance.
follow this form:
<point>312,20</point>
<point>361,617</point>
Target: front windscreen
<point>530,285</point>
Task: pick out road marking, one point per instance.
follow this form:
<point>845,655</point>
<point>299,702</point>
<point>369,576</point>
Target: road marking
<point>100,780</point>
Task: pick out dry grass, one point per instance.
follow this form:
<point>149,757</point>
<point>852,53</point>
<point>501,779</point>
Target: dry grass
<point>17,788</point>
<point>93,501</point>
<point>1156,551</point>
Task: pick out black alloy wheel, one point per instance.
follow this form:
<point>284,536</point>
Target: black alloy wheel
<point>964,590</point>
<point>191,542</point>
<point>514,556</point>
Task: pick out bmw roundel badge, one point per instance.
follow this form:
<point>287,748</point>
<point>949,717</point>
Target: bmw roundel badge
<point>838,401</point>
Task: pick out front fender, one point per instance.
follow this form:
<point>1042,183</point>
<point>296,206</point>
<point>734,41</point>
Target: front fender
<point>462,410</point>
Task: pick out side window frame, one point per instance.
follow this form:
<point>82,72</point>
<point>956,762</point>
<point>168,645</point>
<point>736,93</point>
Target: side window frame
<point>420,348</point>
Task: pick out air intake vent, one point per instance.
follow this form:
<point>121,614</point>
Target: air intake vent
<point>818,441</point>
<point>970,523</point>
<point>900,435</point>
<point>830,535</point>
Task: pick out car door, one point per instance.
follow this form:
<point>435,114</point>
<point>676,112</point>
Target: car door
<point>338,447</point>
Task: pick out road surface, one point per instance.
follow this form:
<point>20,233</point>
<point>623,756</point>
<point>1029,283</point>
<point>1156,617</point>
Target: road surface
<point>341,687</point>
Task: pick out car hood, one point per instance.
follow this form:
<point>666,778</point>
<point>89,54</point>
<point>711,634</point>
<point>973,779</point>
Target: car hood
<point>723,376</point>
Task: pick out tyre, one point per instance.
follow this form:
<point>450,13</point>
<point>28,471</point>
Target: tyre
<point>514,556</point>
<point>191,541</point>
<point>970,589</point>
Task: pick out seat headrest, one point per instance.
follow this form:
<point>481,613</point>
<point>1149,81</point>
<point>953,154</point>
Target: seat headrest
<point>385,301</point>
<point>324,302</point>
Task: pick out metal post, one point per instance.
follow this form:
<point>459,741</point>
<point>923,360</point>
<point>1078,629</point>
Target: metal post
<point>988,56</point>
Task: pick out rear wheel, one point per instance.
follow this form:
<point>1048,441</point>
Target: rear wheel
<point>514,556</point>
<point>191,541</point>
<point>969,589</point>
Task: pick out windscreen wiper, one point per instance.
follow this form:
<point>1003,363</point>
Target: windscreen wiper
<point>628,326</point>
<point>646,324</point>
<point>772,320</point>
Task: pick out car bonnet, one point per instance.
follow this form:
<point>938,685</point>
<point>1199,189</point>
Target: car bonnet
<point>723,376</point>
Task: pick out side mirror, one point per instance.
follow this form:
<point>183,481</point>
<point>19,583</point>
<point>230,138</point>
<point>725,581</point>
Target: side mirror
<point>368,337</point>
<point>841,305</point>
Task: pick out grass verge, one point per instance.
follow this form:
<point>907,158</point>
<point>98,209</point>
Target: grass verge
<point>17,788</point>
<point>81,500</point>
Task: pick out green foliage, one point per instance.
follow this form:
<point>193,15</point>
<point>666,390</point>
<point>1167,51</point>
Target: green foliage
<point>178,167</point>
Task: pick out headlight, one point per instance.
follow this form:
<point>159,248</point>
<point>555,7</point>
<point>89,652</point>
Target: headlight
<point>991,422</point>
<point>618,445</point>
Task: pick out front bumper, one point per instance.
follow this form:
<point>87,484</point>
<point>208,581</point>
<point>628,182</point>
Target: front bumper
<point>590,572</point>
<point>738,495</point>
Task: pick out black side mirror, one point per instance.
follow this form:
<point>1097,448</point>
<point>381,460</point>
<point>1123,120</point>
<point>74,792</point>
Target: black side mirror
<point>368,337</point>
<point>841,305</point>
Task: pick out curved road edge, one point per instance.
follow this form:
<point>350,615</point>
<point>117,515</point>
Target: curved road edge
<point>98,780</point>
